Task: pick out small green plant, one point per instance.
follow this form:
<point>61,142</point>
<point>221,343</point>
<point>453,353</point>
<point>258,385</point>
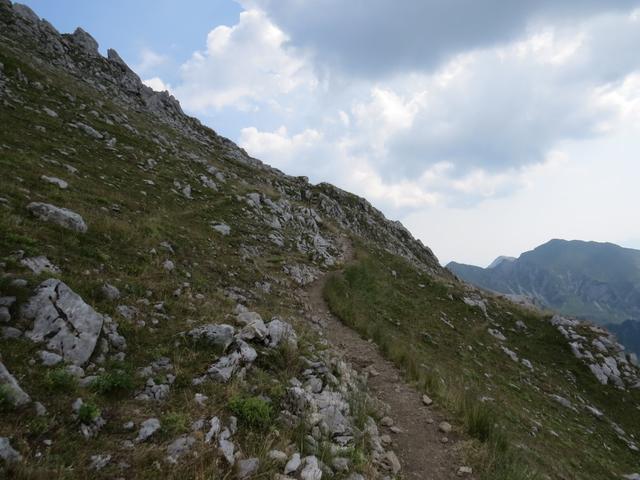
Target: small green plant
<point>253,412</point>
<point>60,380</point>
<point>479,419</point>
<point>88,412</point>
<point>6,399</point>
<point>113,382</point>
<point>175,423</point>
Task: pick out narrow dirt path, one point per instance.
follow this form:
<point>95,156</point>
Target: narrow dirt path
<point>423,450</point>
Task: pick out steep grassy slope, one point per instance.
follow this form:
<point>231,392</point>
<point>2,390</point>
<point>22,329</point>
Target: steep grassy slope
<point>444,344</point>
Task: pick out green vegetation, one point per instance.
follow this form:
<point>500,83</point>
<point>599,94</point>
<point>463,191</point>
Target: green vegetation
<point>60,380</point>
<point>253,412</point>
<point>442,345</point>
<point>88,412</point>
<point>6,401</point>
<point>116,381</point>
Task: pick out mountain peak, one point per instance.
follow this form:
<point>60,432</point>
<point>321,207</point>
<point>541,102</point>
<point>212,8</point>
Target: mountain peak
<point>500,260</point>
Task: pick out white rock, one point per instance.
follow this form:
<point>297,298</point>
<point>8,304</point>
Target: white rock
<point>39,264</point>
<point>147,429</point>
<point>98,462</point>
<point>279,330</point>
<point>293,464</point>
<point>201,399</point>
<point>277,456</point>
<point>55,181</point>
<point>226,448</point>
<point>179,447</point>
<point>64,321</point>
<point>41,410</point>
<point>214,430</point>
<point>49,359</point>
<point>311,470</point>
<point>168,265</point>
<point>110,292</point>
<point>221,228</point>
<point>464,471</point>
<point>18,396</point>
<point>247,467</point>
<point>60,216</point>
<point>219,335</point>
<point>7,453</point>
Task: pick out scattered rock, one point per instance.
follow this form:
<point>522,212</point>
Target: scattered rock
<point>426,400</point>
<point>310,470</point>
<point>277,456</point>
<point>217,335</point>
<point>445,427</point>
<point>179,447</point>
<point>60,216</point>
<point>55,181</point>
<point>63,320</point>
<point>110,292</point>
<point>41,410</point>
<point>293,464</point>
<point>464,471</point>
<point>169,266</point>
<point>147,429</point>
<point>7,453</point>
<point>49,359</point>
<point>17,395</point>
<point>390,462</point>
<point>98,462</point>
<point>247,467</point>
<point>39,264</point>
<point>221,228</point>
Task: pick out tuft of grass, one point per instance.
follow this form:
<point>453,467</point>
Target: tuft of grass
<point>116,381</point>
<point>88,412</point>
<point>254,412</point>
<point>59,380</point>
<point>175,423</point>
<point>479,418</point>
<point>6,400</point>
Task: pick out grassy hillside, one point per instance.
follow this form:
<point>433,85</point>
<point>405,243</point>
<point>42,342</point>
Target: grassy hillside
<point>444,345</point>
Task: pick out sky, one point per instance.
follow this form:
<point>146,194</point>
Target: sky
<point>486,127</point>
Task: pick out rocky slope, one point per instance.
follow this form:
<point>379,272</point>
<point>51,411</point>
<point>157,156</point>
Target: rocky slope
<point>154,316</point>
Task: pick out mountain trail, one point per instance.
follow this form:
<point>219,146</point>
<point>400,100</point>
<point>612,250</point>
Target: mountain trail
<point>419,444</point>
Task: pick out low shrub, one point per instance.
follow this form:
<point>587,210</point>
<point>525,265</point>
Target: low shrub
<point>253,412</point>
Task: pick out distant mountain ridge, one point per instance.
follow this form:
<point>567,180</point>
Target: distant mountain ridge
<point>590,280</point>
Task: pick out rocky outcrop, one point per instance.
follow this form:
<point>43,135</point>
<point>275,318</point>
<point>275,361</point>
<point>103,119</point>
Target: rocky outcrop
<point>63,321</point>
<point>600,351</point>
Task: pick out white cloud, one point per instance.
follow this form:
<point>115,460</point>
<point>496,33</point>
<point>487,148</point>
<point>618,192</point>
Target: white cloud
<point>279,144</point>
<point>157,84</point>
<point>149,61</point>
<point>244,66</point>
